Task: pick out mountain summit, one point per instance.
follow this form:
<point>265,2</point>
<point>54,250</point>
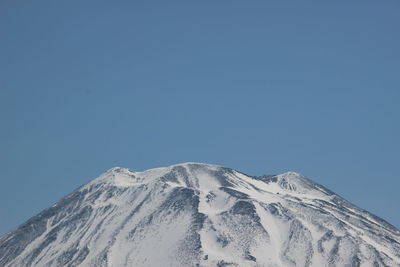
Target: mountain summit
<point>196,214</point>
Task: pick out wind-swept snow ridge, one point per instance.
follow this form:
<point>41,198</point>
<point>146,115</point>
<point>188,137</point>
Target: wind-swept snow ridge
<point>194,214</point>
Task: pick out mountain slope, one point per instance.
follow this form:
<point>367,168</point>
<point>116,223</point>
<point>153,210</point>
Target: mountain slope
<point>195,214</point>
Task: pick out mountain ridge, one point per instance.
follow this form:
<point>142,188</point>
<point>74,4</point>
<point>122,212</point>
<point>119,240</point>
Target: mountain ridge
<point>199,214</point>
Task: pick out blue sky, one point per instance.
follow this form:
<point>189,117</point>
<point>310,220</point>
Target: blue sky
<point>259,86</point>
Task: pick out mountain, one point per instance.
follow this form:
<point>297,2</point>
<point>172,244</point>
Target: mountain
<point>196,214</point>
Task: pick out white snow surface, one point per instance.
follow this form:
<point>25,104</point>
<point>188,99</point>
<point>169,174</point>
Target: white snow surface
<point>195,214</point>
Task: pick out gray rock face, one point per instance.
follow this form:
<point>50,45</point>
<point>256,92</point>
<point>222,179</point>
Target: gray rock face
<point>201,215</point>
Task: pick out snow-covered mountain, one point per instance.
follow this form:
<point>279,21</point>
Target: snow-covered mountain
<point>195,214</point>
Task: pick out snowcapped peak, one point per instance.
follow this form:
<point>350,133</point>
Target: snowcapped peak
<point>196,214</point>
<point>198,164</point>
<point>293,181</point>
<point>185,174</point>
<point>119,170</point>
<point>291,174</point>
<point>203,176</point>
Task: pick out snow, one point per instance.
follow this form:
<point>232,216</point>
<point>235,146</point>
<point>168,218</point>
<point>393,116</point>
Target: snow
<point>191,213</point>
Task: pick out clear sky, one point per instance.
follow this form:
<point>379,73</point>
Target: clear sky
<point>260,86</point>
